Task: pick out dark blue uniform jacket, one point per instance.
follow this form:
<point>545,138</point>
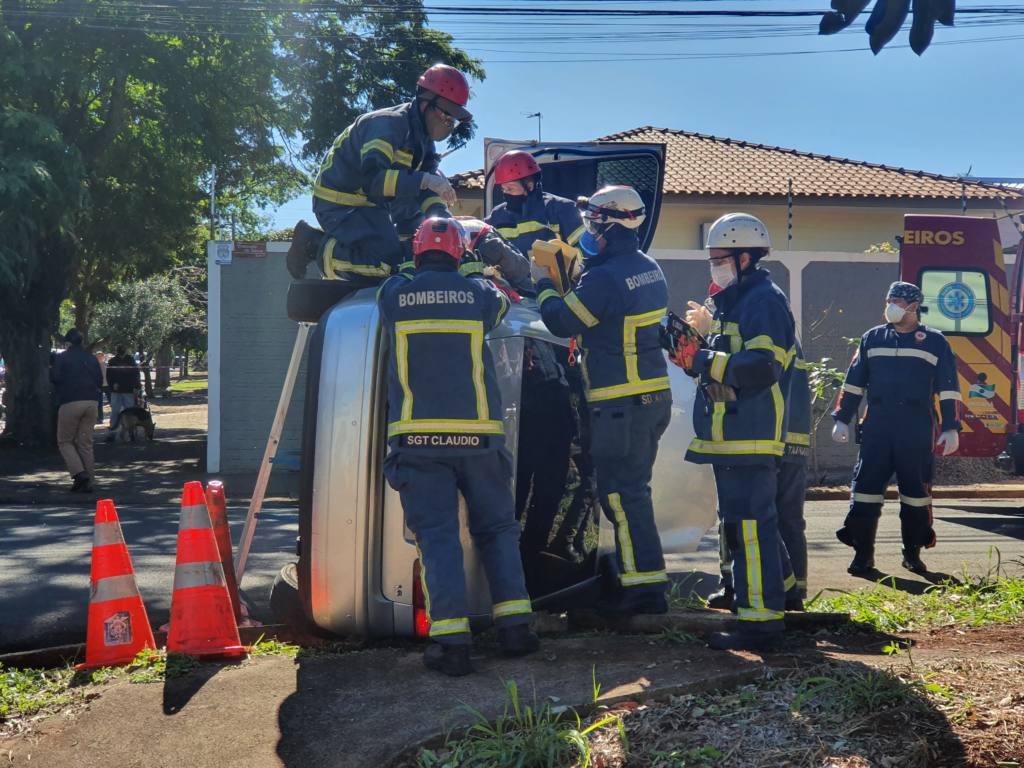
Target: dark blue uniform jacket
<point>616,309</point>
<point>443,395</point>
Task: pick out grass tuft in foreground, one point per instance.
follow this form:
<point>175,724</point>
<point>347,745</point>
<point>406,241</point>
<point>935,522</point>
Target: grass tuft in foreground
<point>971,601</point>
<point>524,736</point>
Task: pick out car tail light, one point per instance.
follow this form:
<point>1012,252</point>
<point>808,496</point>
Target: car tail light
<point>420,622</point>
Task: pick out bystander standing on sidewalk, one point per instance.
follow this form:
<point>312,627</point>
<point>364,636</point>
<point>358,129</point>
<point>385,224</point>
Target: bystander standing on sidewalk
<point>125,382</point>
<point>78,380</point>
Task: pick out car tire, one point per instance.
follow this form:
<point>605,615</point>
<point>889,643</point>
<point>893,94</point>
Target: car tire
<point>309,300</point>
<point>1015,448</point>
<point>286,605</point>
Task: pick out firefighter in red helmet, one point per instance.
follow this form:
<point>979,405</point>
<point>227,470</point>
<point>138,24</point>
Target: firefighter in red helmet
<point>528,213</point>
<point>446,435</point>
<point>379,180</point>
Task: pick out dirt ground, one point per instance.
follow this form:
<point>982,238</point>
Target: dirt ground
<point>951,698</point>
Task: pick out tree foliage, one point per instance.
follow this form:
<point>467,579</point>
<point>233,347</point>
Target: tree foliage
<point>114,113</point>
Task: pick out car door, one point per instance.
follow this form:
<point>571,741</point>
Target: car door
<point>574,169</point>
<point>683,494</point>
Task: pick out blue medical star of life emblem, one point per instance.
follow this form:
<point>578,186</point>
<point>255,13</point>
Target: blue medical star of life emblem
<point>956,300</point>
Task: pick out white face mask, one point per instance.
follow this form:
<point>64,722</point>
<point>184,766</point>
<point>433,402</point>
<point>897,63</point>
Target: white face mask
<point>894,313</point>
<point>723,274</point>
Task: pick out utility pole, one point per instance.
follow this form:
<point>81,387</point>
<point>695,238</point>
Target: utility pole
<point>213,202</point>
<point>538,115</point>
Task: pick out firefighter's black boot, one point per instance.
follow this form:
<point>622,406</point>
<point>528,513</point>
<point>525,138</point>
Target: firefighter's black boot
<point>305,245</point>
<point>722,598</point>
<point>860,535</point>
<point>912,561</point>
<point>452,660</point>
<point>518,640</point>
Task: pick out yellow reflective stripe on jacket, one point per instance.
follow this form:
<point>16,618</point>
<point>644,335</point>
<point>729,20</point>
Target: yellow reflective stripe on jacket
<point>431,201</point>
<point>765,342</point>
<point>332,265</point>
<point>642,387</point>
<point>630,325</point>
<point>752,556</point>
<point>738,447</point>
<point>378,145</point>
<point>448,627</point>
<point>799,363</point>
<point>525,228</point>
<point>403,158</point>
<point>455,426</point>
<point>547,293</point>
<point>511,608</point>
<point>789,582</point>
<point>574,303</point>
<point>718,363</point>
<point>471,268</point>
<point>473,328</point>
<point>390,183</point>
<point>780,409</point>
<point>353,199</point>
<point>798,438</point>
<point>622,531</point>
<point>503,310</point>
<point>717,422</point>
<point>642,577</point>
<point>577,233</point>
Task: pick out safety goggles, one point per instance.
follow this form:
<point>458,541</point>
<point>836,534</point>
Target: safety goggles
<point>451,113</point>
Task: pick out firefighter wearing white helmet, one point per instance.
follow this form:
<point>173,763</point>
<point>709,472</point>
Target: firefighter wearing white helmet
<point>615,310</point>
<point>740,423</point>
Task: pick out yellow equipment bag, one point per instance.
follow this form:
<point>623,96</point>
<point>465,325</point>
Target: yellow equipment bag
<point>560,258</point>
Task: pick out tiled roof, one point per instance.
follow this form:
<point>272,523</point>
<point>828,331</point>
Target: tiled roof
<point>697,164</point>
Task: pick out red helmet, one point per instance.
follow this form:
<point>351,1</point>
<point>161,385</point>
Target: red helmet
<point>439,234</point>
<point>515,165</point>
<point>449,84</point>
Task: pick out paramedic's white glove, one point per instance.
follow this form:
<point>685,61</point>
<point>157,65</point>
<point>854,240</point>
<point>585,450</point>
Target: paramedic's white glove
<point>538,273</point>
<point>841,432</point>
<point>949,440</point>
<point>698,317</point>
<point>440,186</point>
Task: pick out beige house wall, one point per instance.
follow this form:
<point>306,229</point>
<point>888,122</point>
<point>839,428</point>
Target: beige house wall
<point>817,225</point>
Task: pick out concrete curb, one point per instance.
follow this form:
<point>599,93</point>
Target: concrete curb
<point>61,655</point>
<point>986,491</point>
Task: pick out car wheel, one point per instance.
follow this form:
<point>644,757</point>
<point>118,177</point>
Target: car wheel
<point>308,300</point>
<point>286,604</point>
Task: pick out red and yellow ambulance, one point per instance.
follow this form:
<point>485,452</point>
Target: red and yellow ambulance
<point>974,297</point>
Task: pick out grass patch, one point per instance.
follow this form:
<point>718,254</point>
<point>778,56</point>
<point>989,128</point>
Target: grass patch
<point>523,736</point>
<point>273,648</point>
<point>27,692</point>
<point>189,385</point>
<point>968,601</point>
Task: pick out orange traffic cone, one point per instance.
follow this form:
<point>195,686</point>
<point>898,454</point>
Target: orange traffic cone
<point>202,621</point>
<point>216,504</point>
<point>118,625</point>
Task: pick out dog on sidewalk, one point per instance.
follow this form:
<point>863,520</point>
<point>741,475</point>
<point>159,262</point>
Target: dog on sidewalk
<point>134,422</point>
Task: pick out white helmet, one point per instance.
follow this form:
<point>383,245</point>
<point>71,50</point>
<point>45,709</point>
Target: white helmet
<point>612,205</point>
<point>738,230</point>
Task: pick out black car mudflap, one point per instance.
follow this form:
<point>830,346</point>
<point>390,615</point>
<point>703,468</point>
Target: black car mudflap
<point>308,464</point>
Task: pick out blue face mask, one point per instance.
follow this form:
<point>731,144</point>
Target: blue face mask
<point>589,245</point>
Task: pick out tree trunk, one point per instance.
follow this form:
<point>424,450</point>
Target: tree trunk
<point>32,413</point>
<point>83,314</point>
<point>147,372</point>
<point>164,358</point>
<point>184,364</point>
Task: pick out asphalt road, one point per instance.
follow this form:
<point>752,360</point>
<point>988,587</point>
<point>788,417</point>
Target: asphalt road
<point>971,534</point>
<point>44,559</point>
